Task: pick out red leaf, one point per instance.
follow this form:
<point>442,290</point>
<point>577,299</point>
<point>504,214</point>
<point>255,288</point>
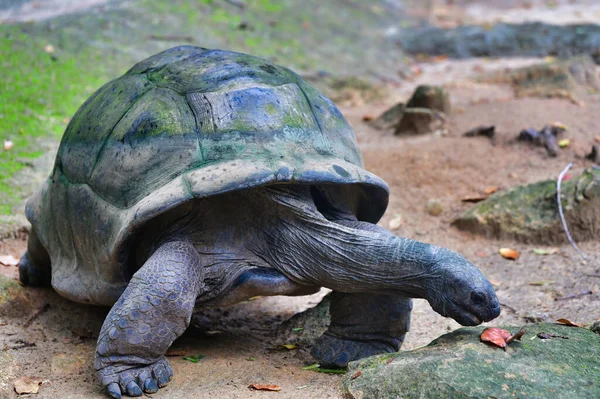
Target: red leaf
<point>495,336</point>
<point>499,337</point>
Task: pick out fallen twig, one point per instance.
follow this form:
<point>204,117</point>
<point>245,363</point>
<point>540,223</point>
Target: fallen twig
<point>37,314</point>
<point>508,307</point>
<point>574,296</point>
<point>562,215</point>
<point>22,344</point>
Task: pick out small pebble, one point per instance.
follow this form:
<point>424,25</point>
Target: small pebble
<point>434,207</point>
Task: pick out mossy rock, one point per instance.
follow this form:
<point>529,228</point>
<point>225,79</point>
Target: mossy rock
<point>304,328</point>
<point>551,79</point>
<point>390,118</point>
<point>458,365</point>
<point>530,213</point>
<point>431,97</point>
<point>420,121</point>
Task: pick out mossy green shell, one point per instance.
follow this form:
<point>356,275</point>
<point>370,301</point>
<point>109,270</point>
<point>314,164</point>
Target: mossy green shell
<point>185,123</point>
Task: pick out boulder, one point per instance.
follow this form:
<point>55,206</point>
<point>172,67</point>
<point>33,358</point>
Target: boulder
<point>420,121</point>
<point>559,78</point>
<point>430,97</point>
<point>304,328</point>
<point>390,118</point>
<point>424,112</point>
<point>458,365</point>
<point>530,213</point>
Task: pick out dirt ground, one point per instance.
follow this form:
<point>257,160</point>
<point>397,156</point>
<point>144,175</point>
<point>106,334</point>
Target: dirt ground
<point>240,351</point>
<point>417,169</point>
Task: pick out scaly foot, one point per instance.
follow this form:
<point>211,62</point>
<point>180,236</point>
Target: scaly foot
<point>121,375</point>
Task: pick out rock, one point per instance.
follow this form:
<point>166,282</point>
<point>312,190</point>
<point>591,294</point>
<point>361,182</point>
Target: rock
<point>390,118</point>
<point>430,97</point>
<point>434,207</point>
<point>594,155</point>
<point>304,328</point>
<point>458,365</point>
<point>530,213</point>
<point>424,112</point>
<point>596,327</point>
<point>420,121</point>
<point>554,79</point>
<point>530,39</point>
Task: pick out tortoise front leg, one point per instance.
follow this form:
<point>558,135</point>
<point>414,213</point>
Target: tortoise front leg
<point>153,311</point>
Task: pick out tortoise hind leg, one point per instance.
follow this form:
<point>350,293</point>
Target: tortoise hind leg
<point>34,266</point>
<point>362,325</point>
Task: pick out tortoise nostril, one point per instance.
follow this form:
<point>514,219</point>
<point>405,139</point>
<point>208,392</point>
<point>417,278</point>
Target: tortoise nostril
<point>478,297</point>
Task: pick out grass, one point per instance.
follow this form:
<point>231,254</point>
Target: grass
<point>40,89</point>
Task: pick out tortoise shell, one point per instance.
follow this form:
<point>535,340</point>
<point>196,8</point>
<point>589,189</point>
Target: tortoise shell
<point>184,124</point>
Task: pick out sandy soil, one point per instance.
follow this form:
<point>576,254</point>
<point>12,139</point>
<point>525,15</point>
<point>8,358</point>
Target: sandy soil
<point>417,169</point>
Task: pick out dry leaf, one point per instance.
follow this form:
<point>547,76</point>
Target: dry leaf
<point>288,346</point>
<point>8,145</point>
<point>597,139</point>
<point>568,322</point>
<point>9,260</point>
<point>367,118</point>
<point>495,336</point>
<point>264,387</point>
<point>509,253</point>
<point>26,385</point>
<point>558,125</point>
<point>176,352</point>
<point>564,143</point>
<point>499,337</point>
<point>474,198</point>
<point>356,375</point>
<point>490,190</point>
<point>516,336</point>
<point>48,48</point>
<point>395,223</point>
<point>495,283</point>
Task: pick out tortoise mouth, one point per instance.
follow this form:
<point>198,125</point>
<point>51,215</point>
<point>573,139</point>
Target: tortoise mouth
<point>472,317</point>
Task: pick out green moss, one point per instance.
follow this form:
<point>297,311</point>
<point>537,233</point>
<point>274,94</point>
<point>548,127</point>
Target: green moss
<point>8,290</point>
<point>458,365</point>
<point>40,92</point>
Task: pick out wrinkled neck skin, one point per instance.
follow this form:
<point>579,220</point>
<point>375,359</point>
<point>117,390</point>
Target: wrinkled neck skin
<point>311,238</point>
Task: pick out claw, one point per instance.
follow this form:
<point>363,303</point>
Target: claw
<point>133,389</point>
<point>114,390</point>
<point>161,376</point>
<point>150,386</point>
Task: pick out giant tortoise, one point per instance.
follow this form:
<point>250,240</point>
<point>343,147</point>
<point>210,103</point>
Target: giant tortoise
<point>201,178</point>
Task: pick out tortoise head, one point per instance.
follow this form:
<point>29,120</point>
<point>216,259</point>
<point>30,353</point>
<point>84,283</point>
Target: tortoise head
<point>459,290</point>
